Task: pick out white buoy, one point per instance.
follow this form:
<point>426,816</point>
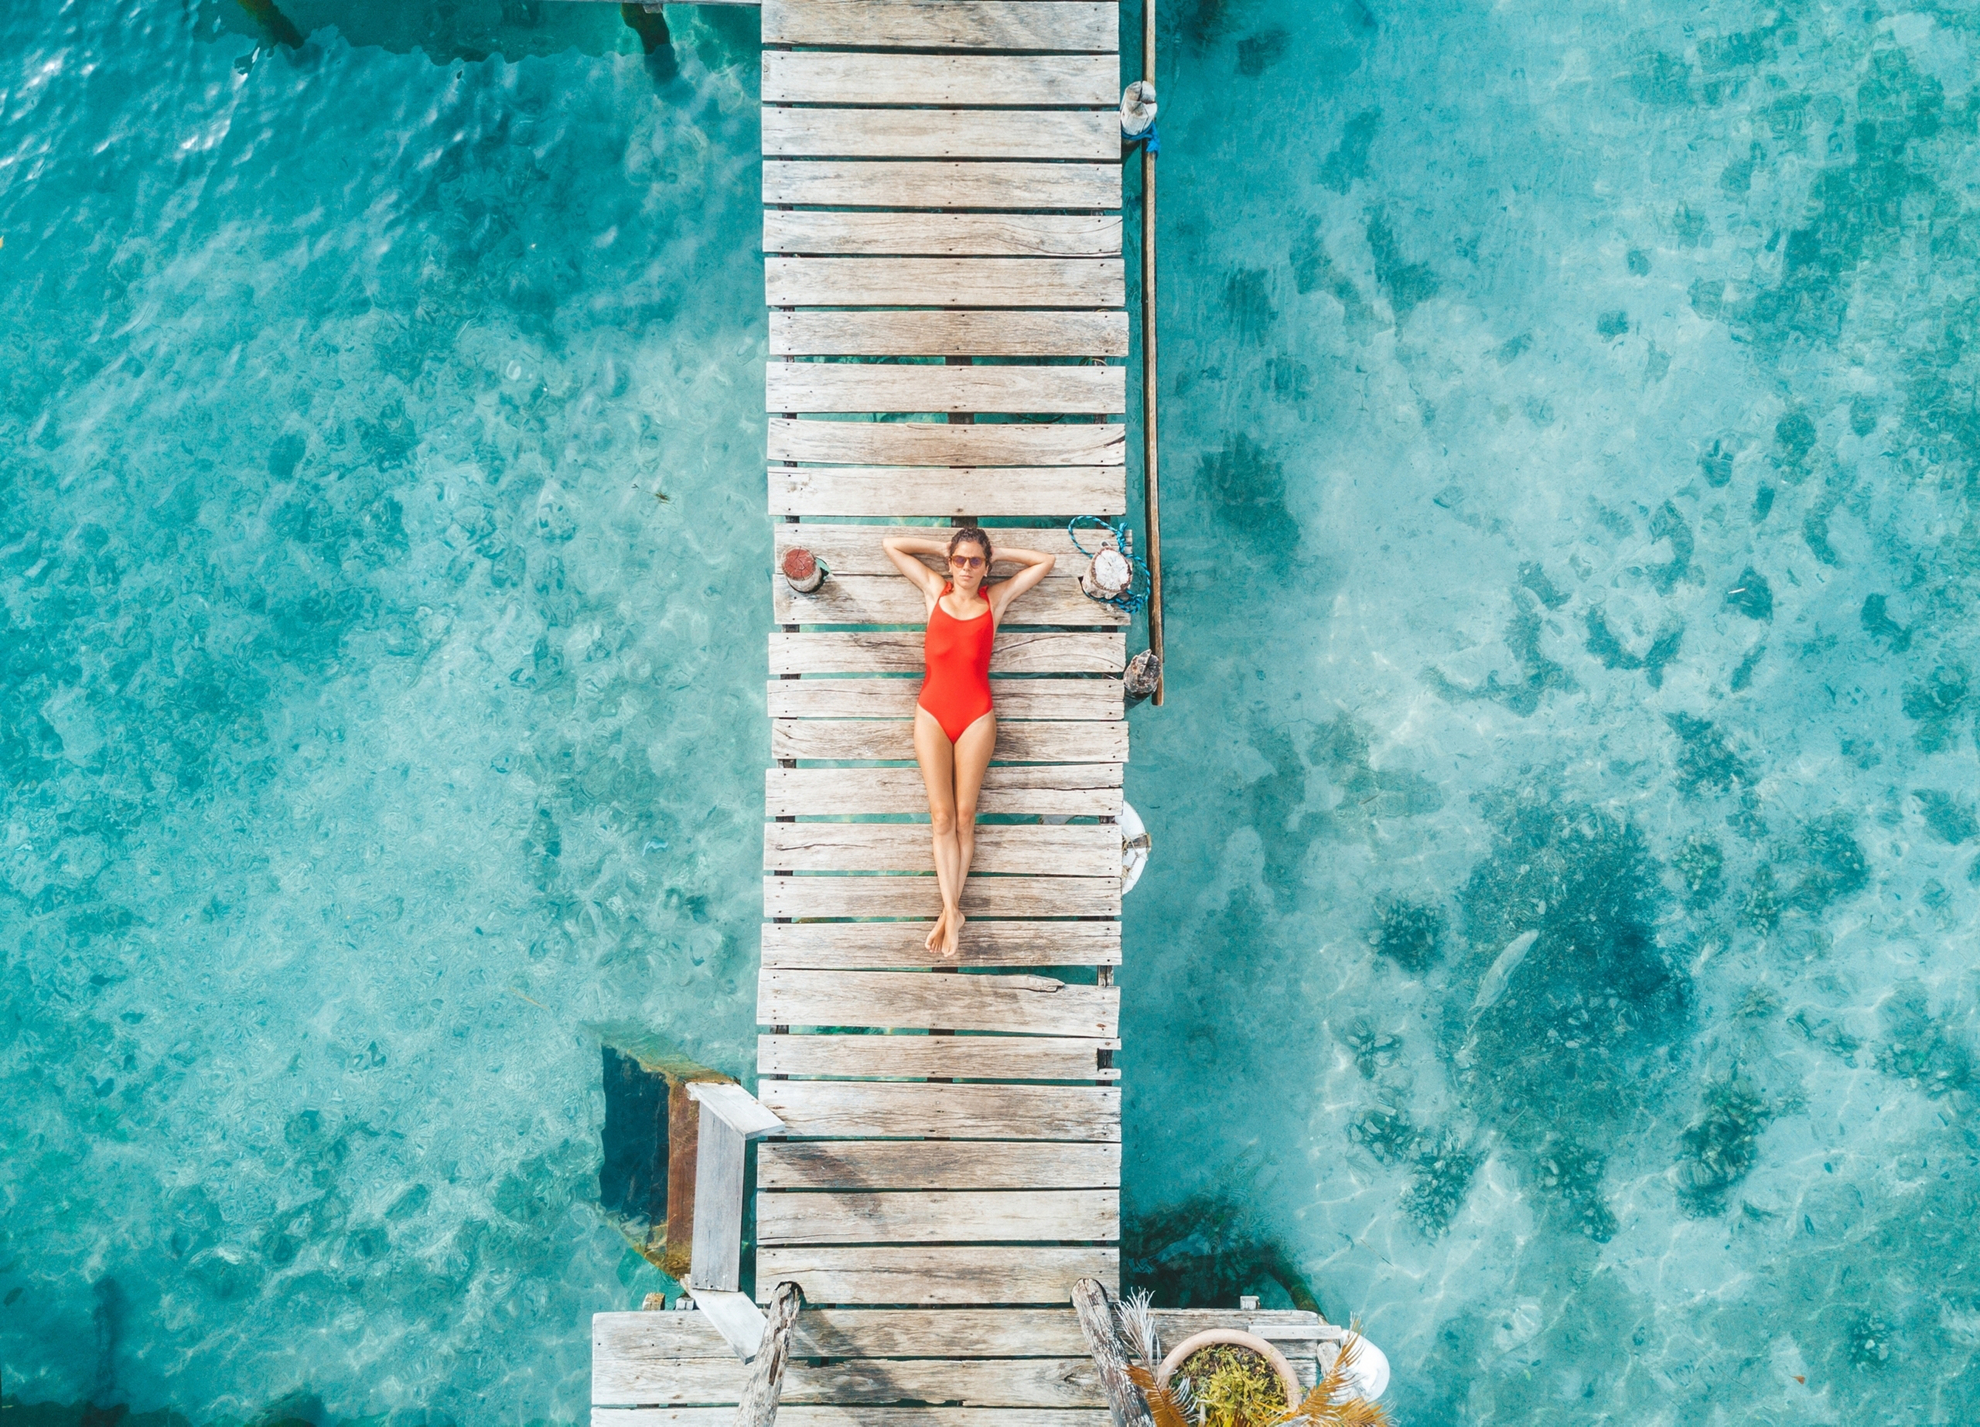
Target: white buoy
<point>1135,847</point>
<point>1369,1372</point>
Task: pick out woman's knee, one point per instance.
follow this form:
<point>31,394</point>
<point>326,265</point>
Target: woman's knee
<point>942,821</point>
<point>965,814</point>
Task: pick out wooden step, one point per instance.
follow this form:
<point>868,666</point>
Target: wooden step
<point>943,282</point>
<point>879,1109</point>
<point>898,697</point>
<point>890,599</point>
<point>818,77</point>
<point>918,897</point>
<point>853,946</point>
<point>858,740</point>
<point>1071,790</point>
<point>936,1164</point>
<point>830,332</point>
<point>939,1216</point>
<point>881,234</point>
<point>1017,651</point>
<point>1033,1005</point>
<point>932,1275</point>
<point>1063,491</point>
<point>1076,850</point>
<point>946,1057</point>
<point>942,133</point>
<point>1048,25</point>
<point>941,183</point>
<point>937,443</point>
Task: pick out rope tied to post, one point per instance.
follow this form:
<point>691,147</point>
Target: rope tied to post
<point>1115,575</point>
<point>1138,116</point>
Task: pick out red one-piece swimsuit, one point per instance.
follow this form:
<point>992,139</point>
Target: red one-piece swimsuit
<point>956,689</point>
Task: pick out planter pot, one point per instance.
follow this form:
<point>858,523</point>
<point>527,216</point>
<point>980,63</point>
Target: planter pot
<point>1231,1337</point>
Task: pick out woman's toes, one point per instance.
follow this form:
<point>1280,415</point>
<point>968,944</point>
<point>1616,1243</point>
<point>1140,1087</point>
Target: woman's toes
<point>935,931</point>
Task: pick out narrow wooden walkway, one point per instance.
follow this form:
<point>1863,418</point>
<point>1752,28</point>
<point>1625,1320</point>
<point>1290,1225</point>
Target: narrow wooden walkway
<point>967,260</point>
<point>947,337</point>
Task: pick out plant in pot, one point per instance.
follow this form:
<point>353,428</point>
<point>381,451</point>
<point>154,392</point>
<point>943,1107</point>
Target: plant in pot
<point>1227,1378</point>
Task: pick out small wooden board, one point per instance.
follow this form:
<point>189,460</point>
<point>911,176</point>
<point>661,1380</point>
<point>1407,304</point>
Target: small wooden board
<point>1017,1003</point>
<point>840,898</point>
<point>1085,850</point>
<point>855,946</point>
<point>942,183</point>
<point>835,332</point>
<point>937,1274</point>
<point>936,1164</point>
<point>1017,651</point>
<point>822,77</point>
<point>939,1216</point>
<point>891,740</point>
<point>869,234</point>
<point>878,1109</point>
<point>1090,790</point>
<point>937,443</point>
<point>867,133</point>
<point>993,1057</point>
<point>1064,491</point>
<point>1026,25</point>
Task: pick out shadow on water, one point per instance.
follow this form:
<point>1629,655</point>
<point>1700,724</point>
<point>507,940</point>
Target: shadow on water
<point>475,30</point>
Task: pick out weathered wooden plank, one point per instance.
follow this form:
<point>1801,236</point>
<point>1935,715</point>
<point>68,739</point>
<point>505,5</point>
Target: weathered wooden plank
<point>889,599</point>
<point>1103,1344</point>
<point>943,282</point>
<point>832,332</point>
<point>917,897</point>
<point>896,698</point>
<point>852,946</point>
<point>1067,850</point>
<point>893,386</point>
<point>858,1416</point>
<point>881,234</point>
<point>1017,651</point>
<point>1021,1382</point>
<point>939,1216</point>
<point>1046,25</point>
<point>937,443</point>
<point>854,740</point>
<point>734,1315</point>
<point>1072,790</point>
<point>941,1275</point>
<point>925,491</point>
<point>856,549</point>
<point>941,183</point>
<point>718,1205</point>
<point>936,1164</point>
<point>819,77</point>
<point>735,1107</point>
<point>945,1057</point>
<point>1035,1005</point>
<point>769,1361</point>
<point>649,1337</point>
<point>859,1333</point>
<point>853,1109</point>
<point>942,133</point>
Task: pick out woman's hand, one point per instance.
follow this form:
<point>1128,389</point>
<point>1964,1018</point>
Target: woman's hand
<point>1033,566</point>
<point>902,550</point>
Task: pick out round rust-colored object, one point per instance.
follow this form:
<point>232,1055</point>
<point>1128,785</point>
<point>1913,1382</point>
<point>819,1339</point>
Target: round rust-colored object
<point>799,564</point>
<point>1180,1354</point>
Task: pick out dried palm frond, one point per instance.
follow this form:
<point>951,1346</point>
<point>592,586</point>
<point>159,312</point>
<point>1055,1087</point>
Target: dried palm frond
<point>1136,1315</point>
<point>1333,1402</point>
<point>1162,1405</point>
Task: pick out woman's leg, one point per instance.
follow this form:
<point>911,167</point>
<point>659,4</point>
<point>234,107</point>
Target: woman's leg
<point>972,758</point>
<point>937,757</point>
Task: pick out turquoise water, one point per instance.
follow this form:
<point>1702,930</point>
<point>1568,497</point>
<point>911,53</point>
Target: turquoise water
<point>1564,806</point>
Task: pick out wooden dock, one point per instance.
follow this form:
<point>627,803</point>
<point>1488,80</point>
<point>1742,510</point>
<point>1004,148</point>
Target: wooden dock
<point>942,235</point>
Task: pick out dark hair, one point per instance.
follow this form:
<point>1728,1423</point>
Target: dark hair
<point>971,535</point>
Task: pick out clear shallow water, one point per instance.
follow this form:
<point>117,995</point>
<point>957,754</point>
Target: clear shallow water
<point>1570,460</point>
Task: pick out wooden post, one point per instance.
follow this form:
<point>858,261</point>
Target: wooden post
<point>1151,487</point>
<point>1096,1320</point>
<point>766,1379</point>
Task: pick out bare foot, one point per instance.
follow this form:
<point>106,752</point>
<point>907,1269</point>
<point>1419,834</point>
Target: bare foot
<point>935,932</point>
<point>952,935</point>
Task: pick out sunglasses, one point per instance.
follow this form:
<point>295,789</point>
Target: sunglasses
<point>968,562</point>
